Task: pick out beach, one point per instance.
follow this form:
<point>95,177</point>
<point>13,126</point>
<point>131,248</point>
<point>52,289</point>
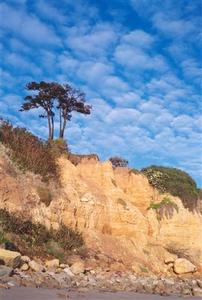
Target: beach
<point>21,293</point>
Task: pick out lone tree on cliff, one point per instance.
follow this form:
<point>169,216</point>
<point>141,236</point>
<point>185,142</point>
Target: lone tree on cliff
<point>67,100</point>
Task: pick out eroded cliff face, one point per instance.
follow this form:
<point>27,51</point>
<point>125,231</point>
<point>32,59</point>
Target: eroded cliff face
<point>110,208</point>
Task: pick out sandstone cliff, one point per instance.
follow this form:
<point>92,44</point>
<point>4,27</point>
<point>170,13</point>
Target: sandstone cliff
<point>110,208</point>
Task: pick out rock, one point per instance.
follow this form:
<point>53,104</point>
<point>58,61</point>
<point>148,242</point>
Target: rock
<point>77,267</point>
<point>5,271</point>
<point>35,266</point>
<point>197,292</point>
<point>52,264</point>
<point>24,267</point>
<point>170,258</point>
<point>10,258</point>
<point>199,283</point>
<point>63,266</point>
<point>68,272</point>
<point>3,286</point>
<point>2,246</point>
<point>25,259</point>
<point>182,266</point>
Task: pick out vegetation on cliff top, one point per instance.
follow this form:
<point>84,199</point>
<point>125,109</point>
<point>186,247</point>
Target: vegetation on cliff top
<point>174,181</point>
<point>29,152</point>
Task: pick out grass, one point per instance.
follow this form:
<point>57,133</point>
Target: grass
<point>144,269</point>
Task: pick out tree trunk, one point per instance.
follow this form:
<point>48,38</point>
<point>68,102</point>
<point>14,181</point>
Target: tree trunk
<point>49,128</point>
<point>60,123</point>
<point>63,128</point>
<point>52,128</point>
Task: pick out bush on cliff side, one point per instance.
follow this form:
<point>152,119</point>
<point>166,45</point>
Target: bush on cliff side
<point>34,238</point>
<point>174,181</point>
<point>28,151</point>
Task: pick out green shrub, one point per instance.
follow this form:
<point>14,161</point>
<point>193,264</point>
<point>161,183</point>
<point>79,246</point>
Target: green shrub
<point>3,238</point>
<point>174,181</point>
<point>164,208</point>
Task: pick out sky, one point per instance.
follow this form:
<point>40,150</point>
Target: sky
<point>138,61</point>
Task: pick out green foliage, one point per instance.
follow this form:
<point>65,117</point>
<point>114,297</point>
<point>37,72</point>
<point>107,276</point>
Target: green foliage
<point>173,181</point>
<point>28,151</point>
<point>144,269</point>
<point>3,238</point>
<point>164,208</point>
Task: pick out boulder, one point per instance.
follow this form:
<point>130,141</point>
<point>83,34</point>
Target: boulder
<point>63,266</point>
<point>5,271</point>
<point>77,267</point>
<point>24,267</point>
<point>35,266</point>
<point>182,266</point>
<point>197,292</point>
<point>25,259</point>
<point>52,264</point>
<point>10,258</point>
<point>68,272</point>
<point>170,258</point>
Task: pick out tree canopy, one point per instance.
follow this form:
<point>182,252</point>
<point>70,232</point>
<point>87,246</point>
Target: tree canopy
<point>52,97</point>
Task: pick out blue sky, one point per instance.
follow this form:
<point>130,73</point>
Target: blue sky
<point>139,62</point>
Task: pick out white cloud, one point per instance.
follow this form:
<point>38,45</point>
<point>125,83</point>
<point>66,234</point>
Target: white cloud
<point>134,52</point>
<point>27,27</point>
<point>173,27</point>
<point>91,41</point>
<point>139,38</point>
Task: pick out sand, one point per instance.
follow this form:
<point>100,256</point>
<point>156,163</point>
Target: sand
<point>45,294</point>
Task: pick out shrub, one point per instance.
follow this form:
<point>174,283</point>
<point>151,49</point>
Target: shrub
<point>37,237</point>
<point>67,238</point>
<point>34,234</point>
<point>164,208</point>
<point>118,162</point>
<point>44,194</point>
<point>28,151</point>
<point>174,181</point>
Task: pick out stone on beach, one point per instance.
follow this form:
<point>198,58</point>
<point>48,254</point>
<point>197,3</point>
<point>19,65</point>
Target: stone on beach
<point>10,258</point>
<point>182,266</point>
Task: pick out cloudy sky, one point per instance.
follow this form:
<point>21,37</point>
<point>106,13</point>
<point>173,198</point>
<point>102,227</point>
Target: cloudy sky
<point>138,61</point>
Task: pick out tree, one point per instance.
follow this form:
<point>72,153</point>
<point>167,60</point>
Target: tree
<point>118,162</point>
<point>44,99</point>
<point>68,100</point>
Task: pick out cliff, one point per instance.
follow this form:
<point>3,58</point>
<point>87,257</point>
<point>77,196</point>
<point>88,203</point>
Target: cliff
<point>110,207</point>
